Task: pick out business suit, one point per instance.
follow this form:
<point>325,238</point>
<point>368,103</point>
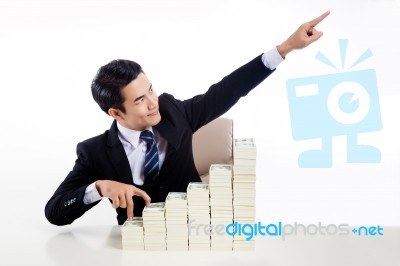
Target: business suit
<point>103,156</point>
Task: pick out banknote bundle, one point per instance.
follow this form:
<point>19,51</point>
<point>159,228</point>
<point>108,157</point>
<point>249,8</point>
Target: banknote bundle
<point>154,226</point>
<point>199,215</point>
<point>176,221</point>
<point>244,188</point>
<point>132,234</point>
<point>220,186</point>
<point>197,219</point>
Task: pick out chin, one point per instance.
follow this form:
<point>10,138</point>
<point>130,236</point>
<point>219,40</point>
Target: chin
<point>155,120</point>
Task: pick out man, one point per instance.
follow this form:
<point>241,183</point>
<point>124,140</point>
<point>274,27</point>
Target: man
<point>148,150</point>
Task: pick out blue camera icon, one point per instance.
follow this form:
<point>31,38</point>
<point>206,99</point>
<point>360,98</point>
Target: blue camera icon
<point>345,103</point>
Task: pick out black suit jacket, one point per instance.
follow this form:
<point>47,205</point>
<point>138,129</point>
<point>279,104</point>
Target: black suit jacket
<point>103,157</point>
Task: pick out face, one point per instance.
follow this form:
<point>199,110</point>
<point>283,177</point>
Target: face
<point>141,105</point>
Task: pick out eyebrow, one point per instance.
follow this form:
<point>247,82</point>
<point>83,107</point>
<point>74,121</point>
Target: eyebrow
<point>140,97</point>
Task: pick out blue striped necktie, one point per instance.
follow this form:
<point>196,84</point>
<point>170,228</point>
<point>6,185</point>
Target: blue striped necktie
<point>151,162</point>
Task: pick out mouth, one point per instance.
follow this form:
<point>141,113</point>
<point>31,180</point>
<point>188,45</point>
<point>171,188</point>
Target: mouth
<point>154,113</point>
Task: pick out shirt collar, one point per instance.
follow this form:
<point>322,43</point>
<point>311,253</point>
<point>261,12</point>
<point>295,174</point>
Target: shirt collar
<point>133,136</point>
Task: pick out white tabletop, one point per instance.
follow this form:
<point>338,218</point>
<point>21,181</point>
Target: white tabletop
<point>101,245</point>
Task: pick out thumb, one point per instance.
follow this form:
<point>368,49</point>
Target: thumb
<point>315,36</point>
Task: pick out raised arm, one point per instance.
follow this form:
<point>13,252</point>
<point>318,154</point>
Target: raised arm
<point>221,96</point>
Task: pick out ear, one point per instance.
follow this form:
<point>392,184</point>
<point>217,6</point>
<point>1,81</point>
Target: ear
<point>115,113</point>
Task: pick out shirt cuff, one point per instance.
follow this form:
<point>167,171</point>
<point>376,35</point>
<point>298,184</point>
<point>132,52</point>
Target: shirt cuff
<point>91,194</point>
<point>272,58</point>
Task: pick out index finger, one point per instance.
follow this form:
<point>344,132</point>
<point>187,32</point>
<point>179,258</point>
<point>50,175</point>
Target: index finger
<point>317,20</point>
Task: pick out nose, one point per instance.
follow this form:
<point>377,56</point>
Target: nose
<point>152,101</point>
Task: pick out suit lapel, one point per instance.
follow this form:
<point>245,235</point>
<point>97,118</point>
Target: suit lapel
<point>169,132</point>
<point>169,124</point>
<point>117,155</point>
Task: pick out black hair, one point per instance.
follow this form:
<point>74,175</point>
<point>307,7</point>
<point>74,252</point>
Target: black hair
<point>110,80</point>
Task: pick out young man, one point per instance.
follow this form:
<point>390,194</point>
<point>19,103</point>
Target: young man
<point>148,150</point>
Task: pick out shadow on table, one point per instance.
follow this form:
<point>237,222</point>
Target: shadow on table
<point>86,246</point>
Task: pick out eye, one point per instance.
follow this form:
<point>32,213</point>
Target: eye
<point>139,101</point>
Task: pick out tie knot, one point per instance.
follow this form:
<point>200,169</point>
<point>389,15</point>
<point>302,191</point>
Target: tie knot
<point>146,136</point>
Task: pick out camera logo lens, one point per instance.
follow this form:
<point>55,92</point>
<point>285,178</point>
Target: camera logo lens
<point>348,102</point>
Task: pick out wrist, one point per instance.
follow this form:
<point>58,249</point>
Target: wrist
<point>284,49</point>
<point>97,185</point>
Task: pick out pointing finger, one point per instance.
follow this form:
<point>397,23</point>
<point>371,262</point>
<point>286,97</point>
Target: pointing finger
<point>317,20</point>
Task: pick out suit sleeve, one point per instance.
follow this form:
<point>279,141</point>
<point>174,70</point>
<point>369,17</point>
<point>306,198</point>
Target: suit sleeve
<point>66,204</point>
<point>221,96</point>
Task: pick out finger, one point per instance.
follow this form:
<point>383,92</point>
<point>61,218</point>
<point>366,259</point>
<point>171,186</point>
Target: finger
<point>122,201</point>
<point>317,20</point>
<point>311,32</point>
<point>147,200</point>
<point>143,195</point>
<point>315,36</point>
<point>129,207</point>
<point>115,202</point>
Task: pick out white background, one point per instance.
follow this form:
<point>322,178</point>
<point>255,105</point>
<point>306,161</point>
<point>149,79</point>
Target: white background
<point>51,50</point>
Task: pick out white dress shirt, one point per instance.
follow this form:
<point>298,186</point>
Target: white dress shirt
<point>135,148</point>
